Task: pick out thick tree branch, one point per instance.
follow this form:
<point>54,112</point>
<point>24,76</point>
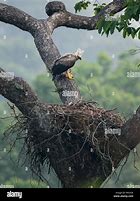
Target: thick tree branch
<point>16,17</point>
<point>49,53</point>
<point>129,138</point>
<point>65,18</point>
<point>16,90</point>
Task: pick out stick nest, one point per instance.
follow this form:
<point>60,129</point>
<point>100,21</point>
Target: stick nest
<point>70,139</point>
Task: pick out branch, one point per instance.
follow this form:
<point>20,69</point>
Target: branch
<point>16,17</point>
<point>16,90</point>
<point>49,53</point>
<point>65,18</point>
<point>129,138</point>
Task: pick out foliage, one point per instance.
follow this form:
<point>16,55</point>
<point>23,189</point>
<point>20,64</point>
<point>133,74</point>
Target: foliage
<point>81,5</point>
<point>109,23</point>
<point>92,184</point>
<point>12,171</point>
<point>45,89</point>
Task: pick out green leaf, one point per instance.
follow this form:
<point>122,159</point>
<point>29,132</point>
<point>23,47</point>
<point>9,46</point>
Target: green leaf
<point>107,32</point>
<point>128,31</point>
<point>120,27</point>
<point>133,35</point>
<point>106,26</point>
<point>124,33</point>
<point>136,17</point>
<point>139,35</point>
<point>78,6</point>
<point>98,8</point>
<point>100,25</point>
<point>133,32</point>
<point>112,27</point>
<point>81,5</point>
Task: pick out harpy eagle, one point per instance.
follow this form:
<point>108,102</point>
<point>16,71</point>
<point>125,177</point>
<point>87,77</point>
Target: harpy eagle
<point>64,63</point>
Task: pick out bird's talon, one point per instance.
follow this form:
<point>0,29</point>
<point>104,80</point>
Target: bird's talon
<point>69,75</point>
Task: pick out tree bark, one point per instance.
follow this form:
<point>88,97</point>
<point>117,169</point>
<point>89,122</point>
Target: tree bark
<point>16,90</point>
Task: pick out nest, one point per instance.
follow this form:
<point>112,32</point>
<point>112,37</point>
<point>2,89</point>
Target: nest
<point>70,139</point>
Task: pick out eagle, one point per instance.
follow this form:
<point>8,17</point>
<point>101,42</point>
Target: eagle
<point>65,63</point>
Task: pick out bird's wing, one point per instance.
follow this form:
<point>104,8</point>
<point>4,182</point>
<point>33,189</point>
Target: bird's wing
<point>63,64</point>
<point>67,60</point>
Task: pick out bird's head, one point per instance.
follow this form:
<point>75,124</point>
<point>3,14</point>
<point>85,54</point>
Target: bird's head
<point>79,53</point>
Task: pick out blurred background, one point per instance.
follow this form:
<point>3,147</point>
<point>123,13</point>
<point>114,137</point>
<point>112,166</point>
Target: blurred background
<point>101,76</point>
